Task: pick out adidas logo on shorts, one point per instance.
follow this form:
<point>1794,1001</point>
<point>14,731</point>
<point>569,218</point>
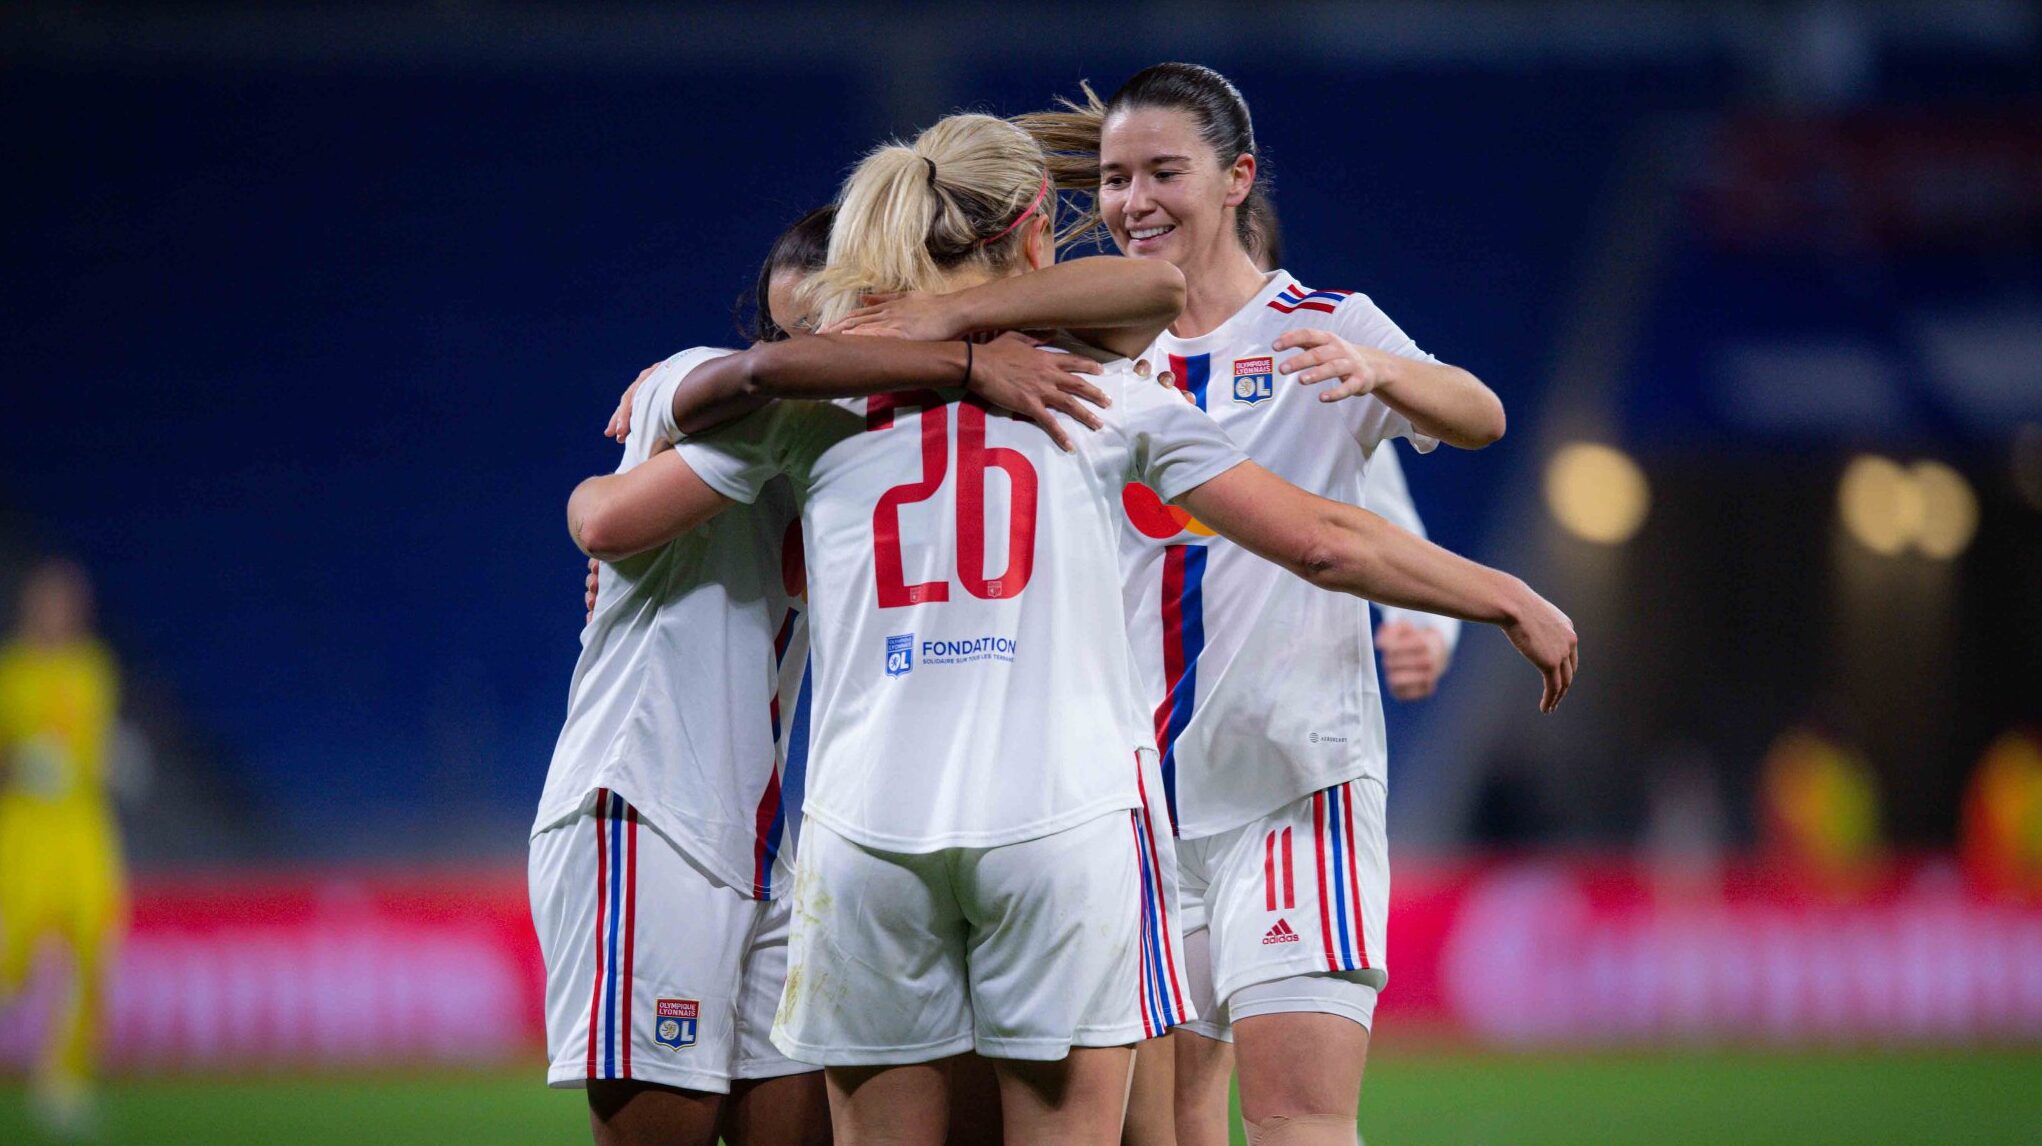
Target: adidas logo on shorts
<point>1281,933</point>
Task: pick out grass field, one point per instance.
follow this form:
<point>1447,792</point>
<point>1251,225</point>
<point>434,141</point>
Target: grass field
<point>1411,1099</point>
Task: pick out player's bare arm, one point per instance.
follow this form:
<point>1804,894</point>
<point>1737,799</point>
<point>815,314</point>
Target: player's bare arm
<point>613,516</point>
<point>1348,549</point>
<point>1011,373</point>
<point>1442,401</point>
<point>1118,303</point>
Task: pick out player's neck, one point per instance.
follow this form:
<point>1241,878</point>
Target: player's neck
<point>966,277</point>
<point>1216,289</point>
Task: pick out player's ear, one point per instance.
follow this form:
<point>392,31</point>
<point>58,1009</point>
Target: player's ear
<point>1039,248</point>
<point>1240,180</point>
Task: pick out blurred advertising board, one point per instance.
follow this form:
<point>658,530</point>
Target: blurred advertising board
<point>354,971</point>
<point>248,972</point>
<point>1611,952</point>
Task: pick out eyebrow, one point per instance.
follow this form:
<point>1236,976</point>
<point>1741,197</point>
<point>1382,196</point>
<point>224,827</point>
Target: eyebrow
<point>1152,159</point>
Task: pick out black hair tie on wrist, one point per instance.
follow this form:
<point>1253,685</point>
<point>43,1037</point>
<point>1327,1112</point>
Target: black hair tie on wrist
<point>967,363</point>
<point>932,171</point>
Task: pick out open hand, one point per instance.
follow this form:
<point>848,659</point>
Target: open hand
<point>914,315</point>
<point>1545,637</point>
<point>1012,373</point>
<point>1327,357</point>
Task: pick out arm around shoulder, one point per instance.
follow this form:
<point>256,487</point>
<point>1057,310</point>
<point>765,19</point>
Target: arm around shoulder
<point>821,366</point>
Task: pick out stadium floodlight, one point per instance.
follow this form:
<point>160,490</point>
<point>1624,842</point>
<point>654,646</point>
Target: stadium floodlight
<point>1881,504</point>
<point>1927,507</point>
<point>1597,492</point>
<point>1949,510</point>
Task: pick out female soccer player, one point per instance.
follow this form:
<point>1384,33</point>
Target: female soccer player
<point>973,873</point>
<point>61,873</point>
<point>1266,707</point>
<point>665,770</point>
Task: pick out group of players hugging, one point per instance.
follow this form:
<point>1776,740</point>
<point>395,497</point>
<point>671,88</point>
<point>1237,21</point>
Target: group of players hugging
<point>976,734</point>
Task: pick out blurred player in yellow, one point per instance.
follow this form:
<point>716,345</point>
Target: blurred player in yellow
<point>61,875</point>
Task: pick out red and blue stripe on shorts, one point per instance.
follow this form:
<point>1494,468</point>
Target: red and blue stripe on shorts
<point>609,1022</point>
<point>1346,946</point>
<point>1162,996</point>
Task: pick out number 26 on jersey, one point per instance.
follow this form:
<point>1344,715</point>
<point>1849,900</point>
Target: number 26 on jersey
<point>974,459</point>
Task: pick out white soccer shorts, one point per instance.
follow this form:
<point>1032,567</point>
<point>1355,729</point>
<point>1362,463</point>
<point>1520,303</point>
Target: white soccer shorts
<point>655,970</point>
<point>1289,912</point>
<point>1020,951</point>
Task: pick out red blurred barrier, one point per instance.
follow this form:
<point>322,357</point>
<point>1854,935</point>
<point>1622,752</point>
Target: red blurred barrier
<point>1602,951</point>
<point>356,970</point>
<point>251,972</point>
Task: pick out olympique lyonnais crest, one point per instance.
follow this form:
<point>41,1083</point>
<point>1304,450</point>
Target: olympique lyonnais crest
<point>900,654</point>
<point>675,1021</point>
<point>1254,379</point>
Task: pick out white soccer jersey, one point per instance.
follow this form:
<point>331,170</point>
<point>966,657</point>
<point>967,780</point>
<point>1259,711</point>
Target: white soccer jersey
<point>1261,688</point>
<point>972,681</point>
<point>676,702</point>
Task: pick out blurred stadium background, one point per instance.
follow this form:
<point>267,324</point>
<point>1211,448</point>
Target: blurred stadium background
<point>313,315</point>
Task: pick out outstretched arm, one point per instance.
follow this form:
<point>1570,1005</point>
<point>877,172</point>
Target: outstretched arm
<point>1350,550</point>
<point>614,516</point>
<point>1110,301</point>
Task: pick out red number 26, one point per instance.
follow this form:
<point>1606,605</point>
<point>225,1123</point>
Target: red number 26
<point>974,458</point>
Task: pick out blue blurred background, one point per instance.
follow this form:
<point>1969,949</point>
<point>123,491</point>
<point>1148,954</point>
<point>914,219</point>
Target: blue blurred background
<point>314,314</point>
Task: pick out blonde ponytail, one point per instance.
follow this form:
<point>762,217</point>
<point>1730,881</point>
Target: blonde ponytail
<point>913,214</point>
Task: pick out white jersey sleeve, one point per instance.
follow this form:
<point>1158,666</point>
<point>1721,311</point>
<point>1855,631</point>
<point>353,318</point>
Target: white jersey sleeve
<point>738,459</point>
<point>1174,447</point>
<point>652,408</point>
<point>1385,494</point>
<point>1359,320</point>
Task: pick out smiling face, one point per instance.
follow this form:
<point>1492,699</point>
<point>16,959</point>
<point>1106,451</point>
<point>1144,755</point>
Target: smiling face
<point>1163,192</point>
